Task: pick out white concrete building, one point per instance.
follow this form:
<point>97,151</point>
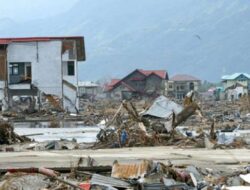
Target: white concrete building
<point>88,88</point>
<point>41,65</point>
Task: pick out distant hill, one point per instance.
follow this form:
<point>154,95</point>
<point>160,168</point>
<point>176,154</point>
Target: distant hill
<point>202,38</point>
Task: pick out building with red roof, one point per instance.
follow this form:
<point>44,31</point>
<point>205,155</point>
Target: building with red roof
<point>37,66</point>
<point>139,83</point>
<point>179,85</point>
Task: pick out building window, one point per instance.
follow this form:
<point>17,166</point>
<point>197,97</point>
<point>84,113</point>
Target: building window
<point>170,86</point>
<point>14,69</point>
<point>71,68</point>
<point>191,86</point>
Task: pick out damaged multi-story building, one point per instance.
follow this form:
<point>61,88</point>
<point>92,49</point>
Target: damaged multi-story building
<point>40,66</point>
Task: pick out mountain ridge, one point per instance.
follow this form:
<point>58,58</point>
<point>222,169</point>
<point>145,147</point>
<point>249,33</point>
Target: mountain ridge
<point>206,39</point>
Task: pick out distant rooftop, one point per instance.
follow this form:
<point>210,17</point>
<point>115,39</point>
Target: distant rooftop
<point>111,84</point>
<point>184,77</point>
<point>161,73</point>
<point>234,76</point>
<point>87,84</point>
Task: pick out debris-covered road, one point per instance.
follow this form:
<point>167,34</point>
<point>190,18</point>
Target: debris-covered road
<point>228,159</point>
<point>127,168</point>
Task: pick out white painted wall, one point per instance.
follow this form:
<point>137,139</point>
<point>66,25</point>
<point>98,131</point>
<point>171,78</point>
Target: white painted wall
<point>236,93</point>
<point>45,58</point>
<point>47,72</point>
<point>70,94</point>
<point>22,52</point>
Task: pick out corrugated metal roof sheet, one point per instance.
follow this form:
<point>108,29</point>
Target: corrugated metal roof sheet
<point>131,171</point>
<point>163,108</point>
<point>99,179</point>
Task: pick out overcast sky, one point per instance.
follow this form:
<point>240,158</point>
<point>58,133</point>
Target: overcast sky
<point>23,10</point>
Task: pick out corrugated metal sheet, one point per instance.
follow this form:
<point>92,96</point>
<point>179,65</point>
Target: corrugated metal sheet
<point>131,171</point>
<point>99,179</point>
<point>163,108</point>
<point>160,186</point>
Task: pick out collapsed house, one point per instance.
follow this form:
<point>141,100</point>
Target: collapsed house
<point>40,66</point>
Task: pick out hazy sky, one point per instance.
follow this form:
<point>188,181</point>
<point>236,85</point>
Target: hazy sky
<point>23,10</point>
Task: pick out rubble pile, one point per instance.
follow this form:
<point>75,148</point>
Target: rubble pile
<point>210,126</point>
<point>140,175</point>
<point>96,111</point>
<point>151,128</point>
<point>8,136</point>
<point>223,112</point>
<point>51,102</point>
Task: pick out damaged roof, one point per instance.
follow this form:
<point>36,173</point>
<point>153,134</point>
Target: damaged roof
<point>79,42</point>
